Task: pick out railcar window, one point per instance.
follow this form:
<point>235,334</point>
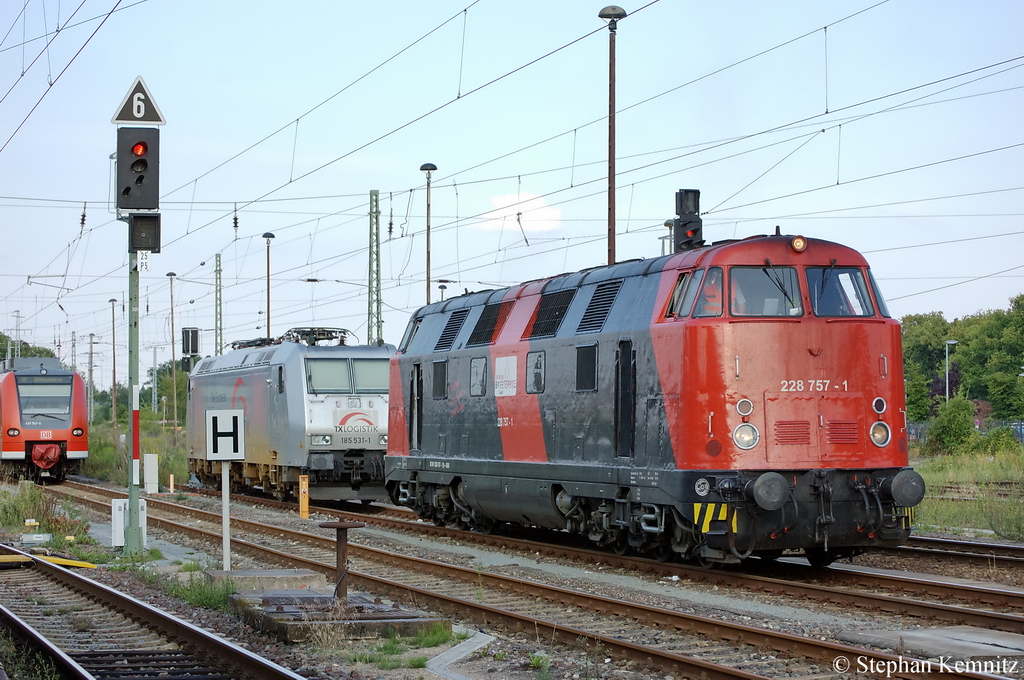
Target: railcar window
<point>839,291</point>
<point>371,375</point>
<point>883,308</point>
<point>684,293</point>
<point>764,291</point>
<point>328,376</point>
<point>478,377</point>
<point>44,395</point>
<point>535,372</point>
<point>440,387</point>
<point>586,368</point>
<point>709,302</point>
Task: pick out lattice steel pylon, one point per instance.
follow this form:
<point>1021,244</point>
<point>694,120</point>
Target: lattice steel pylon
<point>374,312</point>
<point>218,323</point>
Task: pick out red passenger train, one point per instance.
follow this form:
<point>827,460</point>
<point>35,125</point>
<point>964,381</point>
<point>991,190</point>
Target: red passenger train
<point>740,399</point>
<point>43,419</point>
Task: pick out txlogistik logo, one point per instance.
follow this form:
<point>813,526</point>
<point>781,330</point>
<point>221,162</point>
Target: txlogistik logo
<point>356,422</point>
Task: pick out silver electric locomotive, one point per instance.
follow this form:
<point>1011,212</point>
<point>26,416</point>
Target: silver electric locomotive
<point>309,408</point>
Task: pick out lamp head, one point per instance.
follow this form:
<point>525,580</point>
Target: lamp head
<point>612,12</point>
<point>428,167</point>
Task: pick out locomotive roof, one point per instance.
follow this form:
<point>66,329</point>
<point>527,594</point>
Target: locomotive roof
<point>752,250</point>
<point>280,353</point>
<point>30,363</point>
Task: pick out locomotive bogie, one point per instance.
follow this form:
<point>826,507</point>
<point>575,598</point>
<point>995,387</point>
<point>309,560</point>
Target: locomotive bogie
<point>308,410</point>
<point>732,401</point>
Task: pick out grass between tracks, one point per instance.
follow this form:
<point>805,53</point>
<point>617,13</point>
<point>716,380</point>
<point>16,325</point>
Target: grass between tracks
<point>992,508</point>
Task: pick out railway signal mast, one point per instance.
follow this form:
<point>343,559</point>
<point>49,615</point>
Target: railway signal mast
<point>138,195</point>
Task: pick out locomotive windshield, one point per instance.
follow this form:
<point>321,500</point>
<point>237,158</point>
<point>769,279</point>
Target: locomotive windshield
<point>371,375</point>
<point>342,376</point>
<point>44,396</point>
<point>328,376</point>
<point>839,291</point>
<point>764,291</point>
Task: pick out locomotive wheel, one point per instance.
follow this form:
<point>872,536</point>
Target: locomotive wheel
<point>439,521</point>
<point>662,553</point>
<point>820,558</point>
<point>620,548</point>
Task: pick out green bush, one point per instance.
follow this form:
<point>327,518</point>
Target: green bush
<point>952,431</point>
<point>108,455</point>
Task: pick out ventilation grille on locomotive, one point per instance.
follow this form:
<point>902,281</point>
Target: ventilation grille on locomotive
<point>599,307</point>
<point>841,431</point>
<point>793,432</point>
<point>488,326</point>
<point>550,313</point>
<point>451,330</point>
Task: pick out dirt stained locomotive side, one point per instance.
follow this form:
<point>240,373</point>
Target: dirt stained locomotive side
<point>44,419</point>
<point>734,400</point>
<point>309,408</point>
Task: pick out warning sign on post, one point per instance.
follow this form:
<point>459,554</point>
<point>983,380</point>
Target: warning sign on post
<point>225,435</point>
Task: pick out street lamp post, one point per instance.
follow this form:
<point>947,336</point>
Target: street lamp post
<point>174,363</point>
<point>113,349</point>
<point>428,168</point>
<point>948,343</point>
<point>612,13</point>
<point>268,236</point>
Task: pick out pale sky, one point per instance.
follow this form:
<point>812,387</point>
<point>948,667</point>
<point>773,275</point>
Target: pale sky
<point>893,127</point>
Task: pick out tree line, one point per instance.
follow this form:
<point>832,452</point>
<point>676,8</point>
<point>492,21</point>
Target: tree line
<point>985,362</point>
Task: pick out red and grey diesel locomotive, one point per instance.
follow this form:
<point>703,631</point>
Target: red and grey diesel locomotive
<point>43,418</point>
<point>740,399</point>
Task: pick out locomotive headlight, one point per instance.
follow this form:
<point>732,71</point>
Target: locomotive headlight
<point>383,440</point>
<point>798,243</point>
<point>746,436</point>
<point>320,440</point>
<point>880,434</point>
<point>744,407</point>
<point>78,432</point>
<point>13,432</point>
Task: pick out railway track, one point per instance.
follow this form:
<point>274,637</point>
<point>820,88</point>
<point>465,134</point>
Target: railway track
<point>666,638</point>
<point>92,632</point>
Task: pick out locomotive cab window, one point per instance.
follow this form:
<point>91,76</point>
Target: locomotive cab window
<point>535,370</point>
<point>883,309</point>
<point>684,293</point>
<point>328,376</point>
<point>371,375</point>
<point>709,302</point>
<point>44,395</point>
<point>839,291</point>
<point>410,333</point>
<point>764,291</point>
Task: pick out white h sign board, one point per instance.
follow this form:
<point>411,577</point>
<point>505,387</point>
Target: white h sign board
<point>225,435</point>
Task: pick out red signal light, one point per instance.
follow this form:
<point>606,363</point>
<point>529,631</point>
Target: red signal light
<point>139,148</point>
